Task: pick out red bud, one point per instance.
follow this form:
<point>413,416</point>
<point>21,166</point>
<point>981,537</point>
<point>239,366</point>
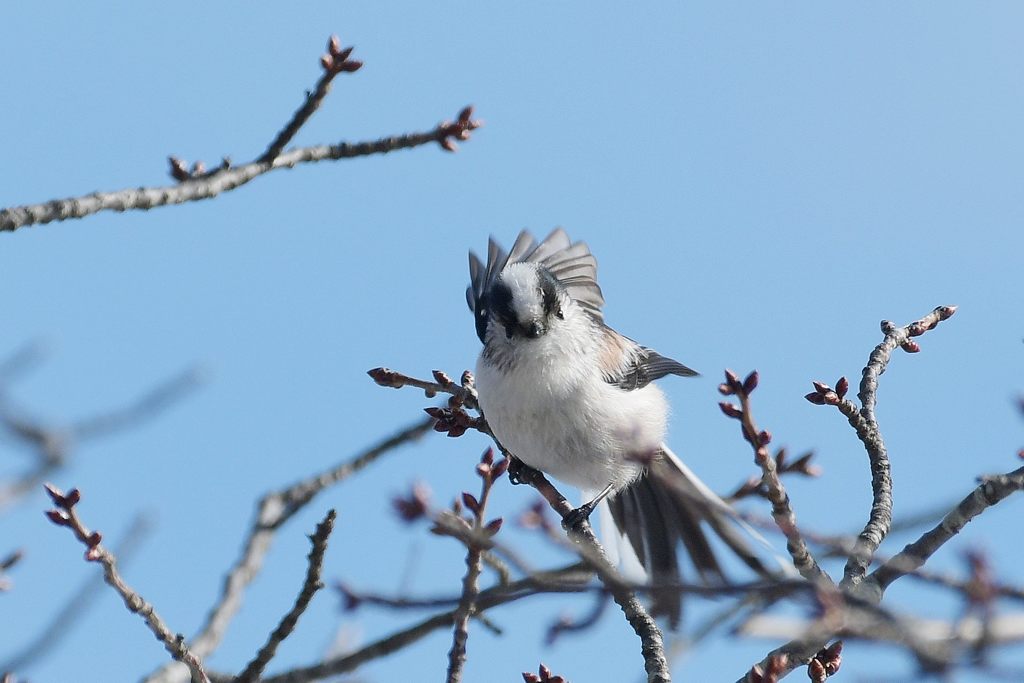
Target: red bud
<point>493,526</point>
<point>57,517</point>
<point>471,503</point>
<point>750,383</point>
<point>842,386</point>
<point>730,410</point>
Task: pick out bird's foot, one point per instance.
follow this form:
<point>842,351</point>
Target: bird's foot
<point>519,472</point>
<point>576,518</point>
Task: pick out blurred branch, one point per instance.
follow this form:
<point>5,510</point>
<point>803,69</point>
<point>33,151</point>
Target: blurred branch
<point>198,183</point>
<point>273,510</point>
<point>310,586</point>
<point>989,492</point>
<point>64,514</point>
<point>52,445</point>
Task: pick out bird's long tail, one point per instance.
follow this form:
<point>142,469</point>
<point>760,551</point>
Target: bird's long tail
<point>667,507</point>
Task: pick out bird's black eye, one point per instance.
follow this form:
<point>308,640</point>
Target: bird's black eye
<point>559,314</point>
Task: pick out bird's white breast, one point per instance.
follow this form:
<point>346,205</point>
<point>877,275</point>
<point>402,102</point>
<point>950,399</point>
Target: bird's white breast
<point>554,411</point>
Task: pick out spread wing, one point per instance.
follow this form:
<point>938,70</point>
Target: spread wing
<point>630,366</point>
<point>648,366</point>
<point>571,263</point>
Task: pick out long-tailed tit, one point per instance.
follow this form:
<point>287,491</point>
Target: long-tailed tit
<point>570,396</point>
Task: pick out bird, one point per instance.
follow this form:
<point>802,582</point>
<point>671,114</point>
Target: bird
<point>566,394</point>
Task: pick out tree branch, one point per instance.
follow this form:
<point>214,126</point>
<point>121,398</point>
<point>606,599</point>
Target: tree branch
<point>200,184</point>
<point>309,588</point>
<point>273,510</point>
<point>64,514</point>
<point>989,492</point>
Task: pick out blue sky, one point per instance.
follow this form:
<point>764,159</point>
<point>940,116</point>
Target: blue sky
<point>761,183</point>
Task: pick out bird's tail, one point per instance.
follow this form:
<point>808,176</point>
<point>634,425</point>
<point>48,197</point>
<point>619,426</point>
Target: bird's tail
<point>665,508</point>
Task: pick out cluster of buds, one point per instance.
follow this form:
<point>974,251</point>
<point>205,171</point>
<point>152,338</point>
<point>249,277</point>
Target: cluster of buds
<point>824,395</point>
<point>336,59</point>
<point>453,523</point>
<point>919,327</point>
<point>543,675</point>
<point>181,172</point>
<point>826,663</point>
<point>459,129</point>
<point>452,421</point>
<point>801,466</point>
<point>771,672</point>
<point>742,390</point>
<point>63,514</point>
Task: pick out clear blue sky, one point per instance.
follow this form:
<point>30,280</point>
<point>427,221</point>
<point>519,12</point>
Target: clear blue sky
<point>761,182</point>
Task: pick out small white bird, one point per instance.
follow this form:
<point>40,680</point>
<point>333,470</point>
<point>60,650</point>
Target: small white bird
<point>568,395</point>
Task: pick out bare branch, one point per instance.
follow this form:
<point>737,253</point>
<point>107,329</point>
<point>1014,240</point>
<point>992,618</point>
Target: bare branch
<point>63,622</point>
<point>492,597</point>
<point>310,586</point>
<point>200,184</point>
<point>865,423</point>
<point>273,510</point>
<point>782,509</point>
<point>489,472</point>
<point>64,514</point>
<point>990,491</point>
<point>336,61</point>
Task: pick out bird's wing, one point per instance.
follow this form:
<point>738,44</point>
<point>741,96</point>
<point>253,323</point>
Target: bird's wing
<point>630,366</point>
<point>571,263</point>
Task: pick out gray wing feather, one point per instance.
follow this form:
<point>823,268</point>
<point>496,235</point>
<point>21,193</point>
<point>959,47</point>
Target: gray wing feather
<point>647,366</point>
<point>570,263</point>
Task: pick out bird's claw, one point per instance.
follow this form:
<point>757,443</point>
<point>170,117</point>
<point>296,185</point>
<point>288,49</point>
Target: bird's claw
<point>576,518</point>
<point>518,471</point>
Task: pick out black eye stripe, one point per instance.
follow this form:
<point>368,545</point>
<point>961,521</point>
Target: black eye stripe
<point>500,302</point>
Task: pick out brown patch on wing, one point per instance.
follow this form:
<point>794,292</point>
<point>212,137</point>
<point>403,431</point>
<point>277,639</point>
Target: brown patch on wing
<point>617,353</point>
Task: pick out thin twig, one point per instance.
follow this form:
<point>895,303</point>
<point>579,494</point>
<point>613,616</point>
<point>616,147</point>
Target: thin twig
<point>199,184</point>
<point>989,492</point>
<point>335,62</point>
<point>273,510</point>
<point>77,606</point>
<point>64,514</point>
<point>489,598</point>
<point>489,472</point>
<point>309,588</point>
<point>865,422</point>
<point>782,508</point>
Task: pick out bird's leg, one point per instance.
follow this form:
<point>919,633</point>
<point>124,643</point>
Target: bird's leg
<point>518,471</point>
<point>575,518</point>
